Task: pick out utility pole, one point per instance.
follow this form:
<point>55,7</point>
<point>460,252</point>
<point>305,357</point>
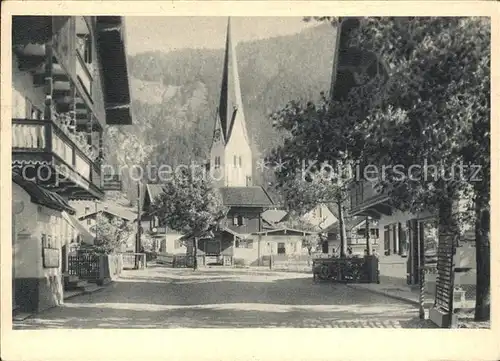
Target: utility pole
<point>368,243</point>
<point>138,234</point>
<point>96,223</point>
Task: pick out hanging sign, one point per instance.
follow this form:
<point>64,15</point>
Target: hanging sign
<point>112,183</point>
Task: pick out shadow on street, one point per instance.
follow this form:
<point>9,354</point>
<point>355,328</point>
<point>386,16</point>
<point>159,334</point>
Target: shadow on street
<point>181,298</point>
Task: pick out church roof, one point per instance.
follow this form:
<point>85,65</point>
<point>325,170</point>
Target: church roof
<point>254,196</point>
<point>230,103</point>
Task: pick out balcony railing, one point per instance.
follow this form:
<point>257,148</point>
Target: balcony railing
<point>46,137</point>
<point>364,194</point>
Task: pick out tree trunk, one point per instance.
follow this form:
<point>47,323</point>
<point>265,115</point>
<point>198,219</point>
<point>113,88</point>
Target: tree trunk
<point>447,223</point>
<point>343,241</point>
<point>195,253</point>
<point>482,233</point>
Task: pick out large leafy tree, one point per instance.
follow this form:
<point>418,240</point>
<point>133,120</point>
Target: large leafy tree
<point>324,141</point>
<point>111,233</point>
<point>190,205</point>
<point>429,106</point>
<point>434,110</point>
<point>324,138</point>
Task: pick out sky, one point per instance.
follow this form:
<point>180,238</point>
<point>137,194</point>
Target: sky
<point>176,32</point>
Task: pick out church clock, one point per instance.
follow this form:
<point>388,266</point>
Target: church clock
<point>217,135</point>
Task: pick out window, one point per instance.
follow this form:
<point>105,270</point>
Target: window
<point>235,161</point>
<point>83,40</point>
<point>217,162</point>
<point>241,161</point>
<point>238,221</point>
<point>281,248</point>
<point>249,181</point>
<point>177,244</point>
<point>391,239</point>
<point>89,221</point>
<point>87,210</point>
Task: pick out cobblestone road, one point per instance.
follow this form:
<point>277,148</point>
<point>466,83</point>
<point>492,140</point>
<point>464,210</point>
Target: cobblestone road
<point>174,298</point>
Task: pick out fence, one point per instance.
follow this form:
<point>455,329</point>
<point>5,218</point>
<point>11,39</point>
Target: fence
<point>134,260</point>
<point>178,260</point>
<point>85,266</point>
<point>293,263</point>
<point>95,268</point>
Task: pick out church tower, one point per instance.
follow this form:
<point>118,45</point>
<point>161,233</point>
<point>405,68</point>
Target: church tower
<point>231,154</point>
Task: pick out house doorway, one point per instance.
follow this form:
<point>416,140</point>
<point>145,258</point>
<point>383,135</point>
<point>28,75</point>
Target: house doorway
<point>324,247</point>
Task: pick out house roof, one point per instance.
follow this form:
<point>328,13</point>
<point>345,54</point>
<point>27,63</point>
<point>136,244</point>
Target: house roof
<point>285,229</point>
<point>41,195</point>
<point>273,216</point>
<point>111,208</point>
<point>111,46</point>
<point>153,191</point>
<point>128,216</point>
<point>149,195</point>
<point>254,196</point>
<point>350,223</point>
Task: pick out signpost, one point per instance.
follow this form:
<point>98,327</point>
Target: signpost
<point>442,311</point>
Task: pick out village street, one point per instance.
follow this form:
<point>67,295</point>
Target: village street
<point>161,297</point>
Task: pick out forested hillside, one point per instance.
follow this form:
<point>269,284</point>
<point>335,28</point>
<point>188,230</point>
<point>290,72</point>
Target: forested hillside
<point>175,96</point>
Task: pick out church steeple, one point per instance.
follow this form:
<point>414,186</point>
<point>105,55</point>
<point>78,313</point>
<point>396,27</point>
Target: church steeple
<point>231,154</point>
<point>231,104</point>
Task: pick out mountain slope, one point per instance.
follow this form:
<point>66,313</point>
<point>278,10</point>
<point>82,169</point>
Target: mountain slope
<point>175,96</point>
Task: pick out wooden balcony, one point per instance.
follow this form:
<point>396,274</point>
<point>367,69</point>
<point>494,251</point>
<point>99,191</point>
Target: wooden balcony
<point>42,150</point>
<point>367,200</point>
